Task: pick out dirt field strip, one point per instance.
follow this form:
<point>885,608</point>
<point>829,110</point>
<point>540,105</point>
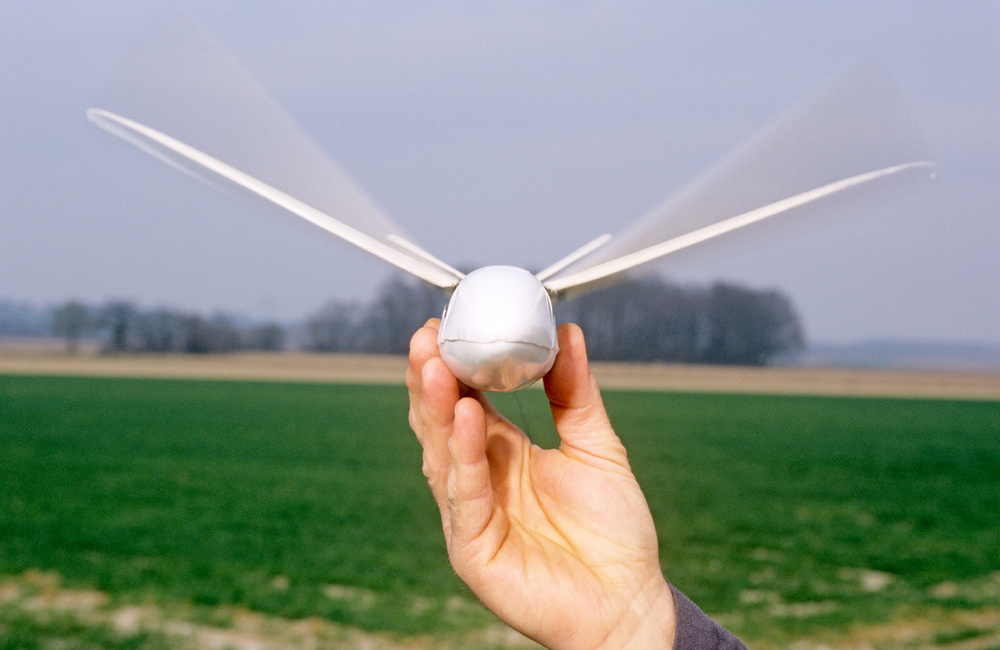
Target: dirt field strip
<point>800,380</point>
<point>284,366</point>
<point>40,597</point>
<point>383,369</point>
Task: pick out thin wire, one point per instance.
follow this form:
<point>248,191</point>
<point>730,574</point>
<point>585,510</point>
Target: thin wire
<point>524,416</point>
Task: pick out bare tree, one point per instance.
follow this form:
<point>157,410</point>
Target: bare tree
<point>71,320</point>
<point>158,330</point>
<point>651,319</point>
<point>749,327</point>
<point>383,326</point>
<point>400,308</point>
<point>268,337</point>
<point>118,317</point>
<point>333,328</point>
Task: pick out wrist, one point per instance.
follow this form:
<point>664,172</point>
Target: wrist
<point>649,621</point>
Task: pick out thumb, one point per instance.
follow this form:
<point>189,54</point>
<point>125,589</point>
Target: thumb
<point>575,399</point>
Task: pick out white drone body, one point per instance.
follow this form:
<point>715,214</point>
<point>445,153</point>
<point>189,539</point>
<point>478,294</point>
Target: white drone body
<point>498,332</point>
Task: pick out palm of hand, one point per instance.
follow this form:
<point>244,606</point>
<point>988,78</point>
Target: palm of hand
<point>559,543</point>
<point>564,536</point>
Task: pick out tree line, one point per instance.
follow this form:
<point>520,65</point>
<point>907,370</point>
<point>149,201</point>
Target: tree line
<point>649,319</point>
<point>655,320</point>
<point>123,326</point>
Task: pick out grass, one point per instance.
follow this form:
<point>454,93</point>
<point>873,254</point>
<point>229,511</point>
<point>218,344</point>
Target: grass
<point>786,517</point>
<point>24,631</point>
<point>209,491</point>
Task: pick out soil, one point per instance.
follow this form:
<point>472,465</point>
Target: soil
<point>383,369</point>
<point>41,597</point>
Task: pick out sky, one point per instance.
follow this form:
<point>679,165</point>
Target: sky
<point>507,133</point>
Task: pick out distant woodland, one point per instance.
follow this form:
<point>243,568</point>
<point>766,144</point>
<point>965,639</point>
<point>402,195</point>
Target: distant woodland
<point>640,320</point>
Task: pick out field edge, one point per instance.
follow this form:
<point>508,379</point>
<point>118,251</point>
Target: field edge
<point>389,369</point>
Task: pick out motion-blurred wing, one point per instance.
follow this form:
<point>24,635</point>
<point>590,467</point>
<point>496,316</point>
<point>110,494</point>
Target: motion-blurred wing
<point>184,98</point>
<point>573,257</point>
<point>189,160</point>
<point>605,270</point>
<point>851,134</point>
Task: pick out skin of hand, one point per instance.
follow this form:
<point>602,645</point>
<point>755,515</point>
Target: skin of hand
<point>559,543</point>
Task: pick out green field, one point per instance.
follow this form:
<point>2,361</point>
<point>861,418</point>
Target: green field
<point>784,517</point>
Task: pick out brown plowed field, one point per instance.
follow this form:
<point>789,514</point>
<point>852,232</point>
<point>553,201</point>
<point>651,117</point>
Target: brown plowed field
<point>294,366</point>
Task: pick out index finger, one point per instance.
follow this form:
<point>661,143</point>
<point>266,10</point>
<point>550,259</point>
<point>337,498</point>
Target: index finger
<point>423,347</point>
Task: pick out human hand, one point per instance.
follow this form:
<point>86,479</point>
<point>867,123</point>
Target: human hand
<point>559,543</point>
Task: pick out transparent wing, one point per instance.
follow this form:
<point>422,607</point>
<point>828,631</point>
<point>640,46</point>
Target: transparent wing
<point>180,83</point>
<point>192,161</point>
<point>852,133</point>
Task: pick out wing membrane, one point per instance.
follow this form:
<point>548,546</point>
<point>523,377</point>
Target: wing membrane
<point>852,133</point>
<point>601,272</point>
<point>572,258</point>
<point>188,159</point>
<point>186,99</point>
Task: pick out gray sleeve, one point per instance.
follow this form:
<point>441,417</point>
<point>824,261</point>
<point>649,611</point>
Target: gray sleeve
<point>696,631</point>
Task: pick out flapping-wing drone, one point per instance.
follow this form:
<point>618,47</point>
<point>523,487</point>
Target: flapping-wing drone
<point>498,332</point>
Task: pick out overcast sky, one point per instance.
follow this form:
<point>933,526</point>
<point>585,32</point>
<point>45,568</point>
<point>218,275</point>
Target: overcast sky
<point>506,132</point>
